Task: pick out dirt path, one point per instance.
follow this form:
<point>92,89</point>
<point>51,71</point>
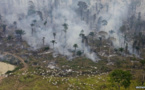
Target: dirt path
<point>19,58</point>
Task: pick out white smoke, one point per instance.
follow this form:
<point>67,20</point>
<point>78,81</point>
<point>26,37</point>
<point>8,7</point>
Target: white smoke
<point>64,13</point>
<point>58,12</point>
<point>117,13</point>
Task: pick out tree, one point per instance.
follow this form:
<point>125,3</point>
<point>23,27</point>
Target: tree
<point>4,28</point>
<point>103,33</point>
<point>65,28</point>
<point>139,42</point>
<point>82,7</point>
<point>34,21</point>
<point>110,43</point>
<point>65,25</point>
<point>43,40</point>
<point>123,28</point>
<point>79,53</point>
<point>53,42</point>
<point>121,50</point>
<point>111,31</point>
<point>15,24</point>
<point>100,38</point>
<point>45,23</point>
<point>143,73</point>
<point>121,78</point>
<point>143,76</point>
<point>32,29</point>
<point>92,34</point>
<point>75,46</point>
<point>10,37</point>
<point>31,8</point>
<point>54,35</point>
<point>82,35</point>
<point>20,33</point>
<point>126,48</point>
<point>142,62</point>
<point>137,49</point>
<point>0,17</point>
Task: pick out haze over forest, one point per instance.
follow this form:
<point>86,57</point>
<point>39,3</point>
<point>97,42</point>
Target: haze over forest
<point>72,44</point>
<point>41,19</point>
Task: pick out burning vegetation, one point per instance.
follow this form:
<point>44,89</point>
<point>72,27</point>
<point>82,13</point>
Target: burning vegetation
<point>67,44</point>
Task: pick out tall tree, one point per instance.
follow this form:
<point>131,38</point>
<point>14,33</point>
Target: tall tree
<point>138,49</point>
<point>100,38</point>
<point>82,35</point>
<point>143,72</point>
<point>92,34</point>
<point>82,7</point>
<point>110,43</point>
<point>15,24</point>
<point>79,53</point>
<point>121,51</point>
<point>142,63</point>
<point>0,17</point>
<point>126,48</point>
<point>45,23</point>
<point>4,28</point>
<point>34,21</point>
<point>20,33</point>
<point>32,29</point>
<point>31,8</point>
<point>65,25</point>
<point>75,46</point>
<point>43,41</point>
<point>123,28</point>
<point>54,35</point>
<point>53,42</point>
<point>121,78</point>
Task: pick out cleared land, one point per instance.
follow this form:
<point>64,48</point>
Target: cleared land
<point>4,67</point>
